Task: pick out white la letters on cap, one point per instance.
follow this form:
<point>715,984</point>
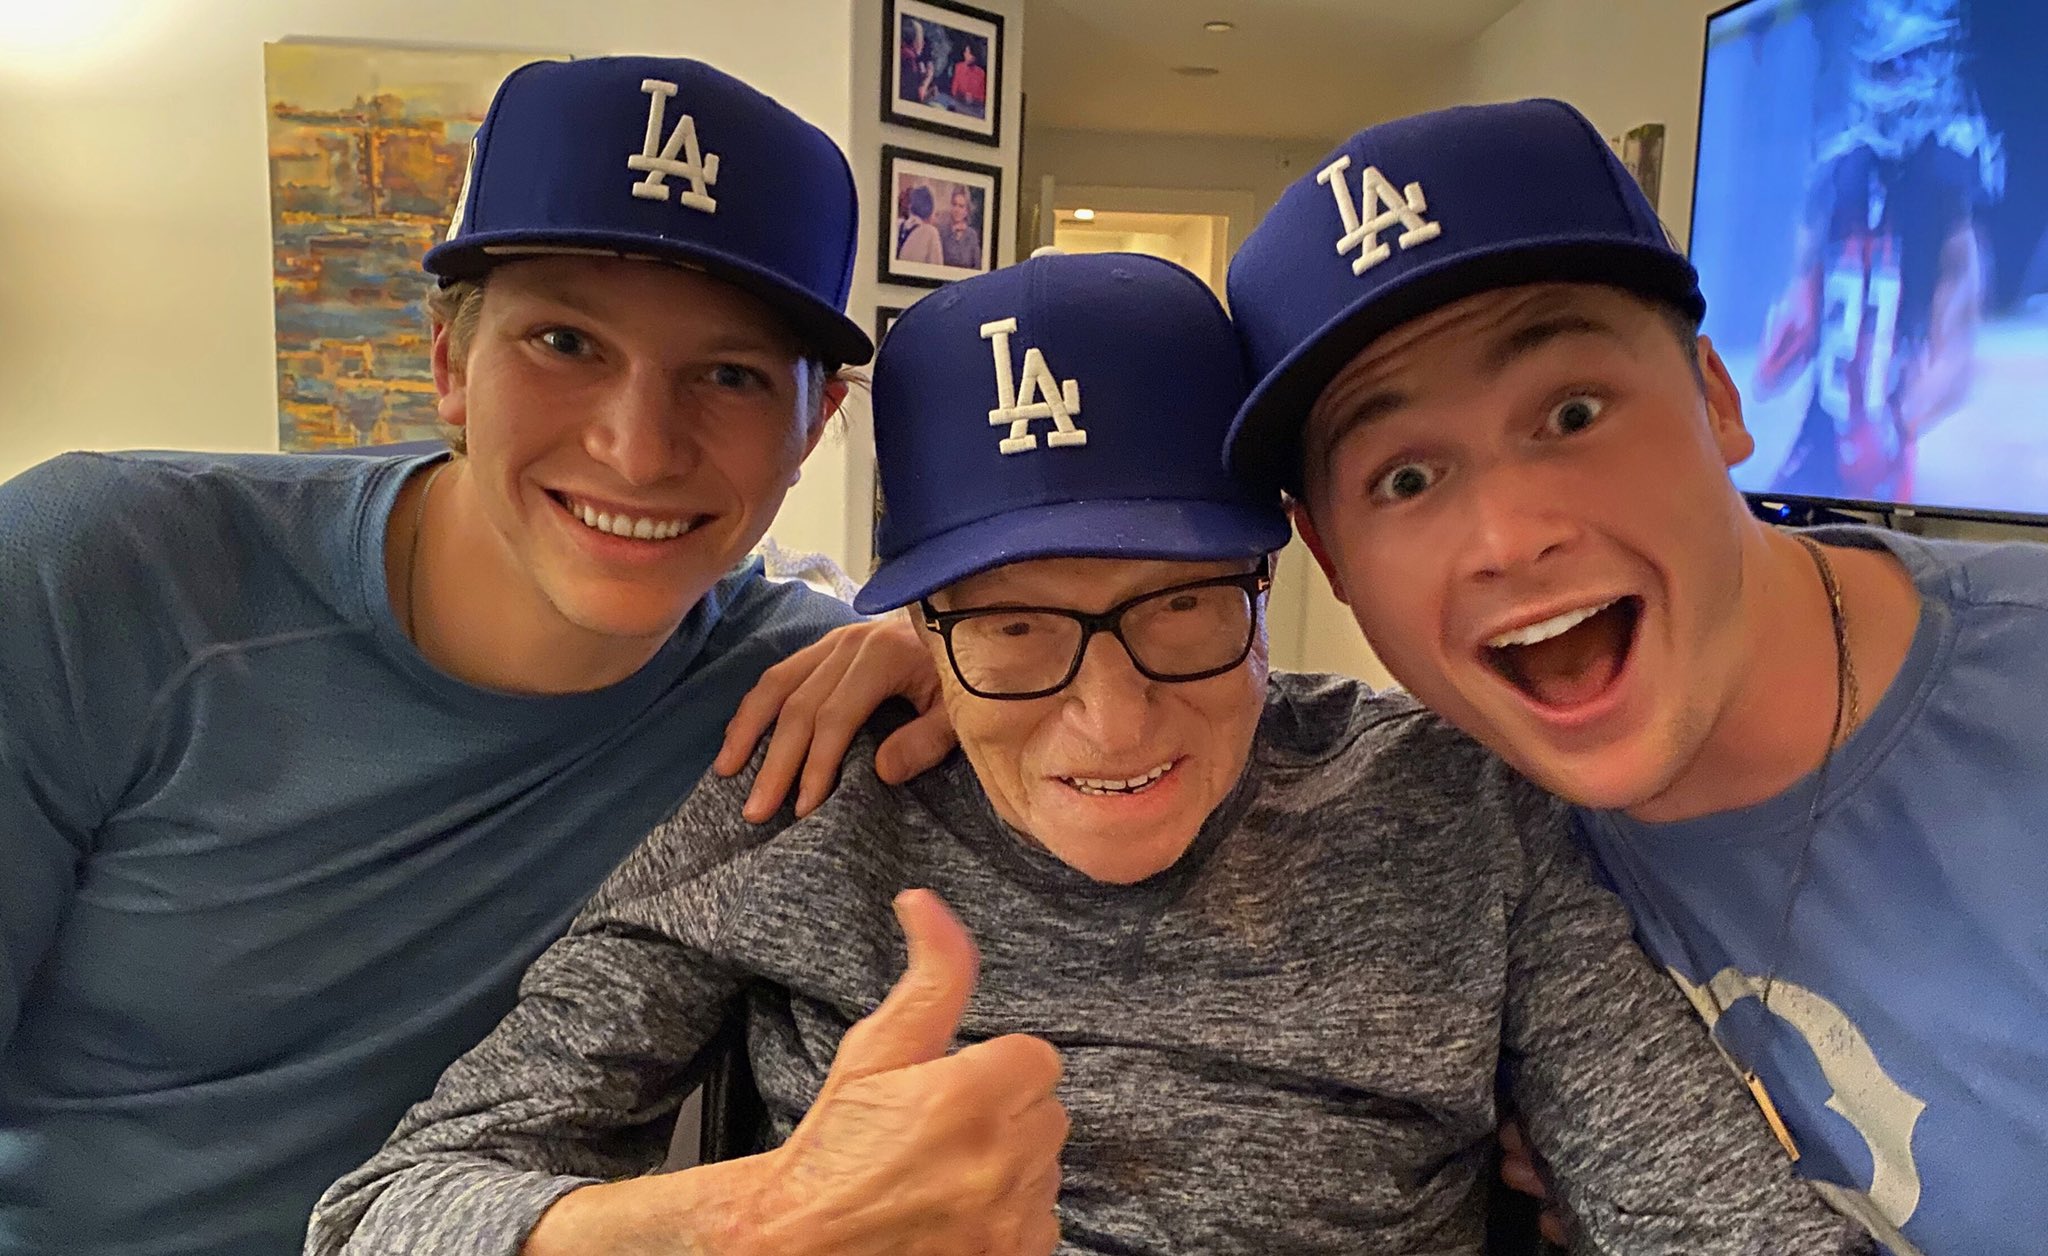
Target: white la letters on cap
<point>1044,396</point>
<point>659,160</point>
<point>1363,223</point>
<point>462,197</point>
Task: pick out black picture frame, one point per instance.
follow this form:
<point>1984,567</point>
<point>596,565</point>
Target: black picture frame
<point>947,33</point>
<point>903,171</point>
<point>885,318</point>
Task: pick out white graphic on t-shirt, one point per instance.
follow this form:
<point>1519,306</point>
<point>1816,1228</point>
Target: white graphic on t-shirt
<point>695,166</point>
<point>1044,397</point>
<point>1865,1096</point>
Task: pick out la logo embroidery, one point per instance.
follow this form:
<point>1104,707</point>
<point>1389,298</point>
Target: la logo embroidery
<point>1044,396</point>
<point>1364,222</point>
<point>659,160</point>
<point>462,197</point>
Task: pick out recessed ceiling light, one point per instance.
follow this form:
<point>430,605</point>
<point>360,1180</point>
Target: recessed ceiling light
<point>1219,28</point>
<point>1196,71</point>
<point>1084,215</point>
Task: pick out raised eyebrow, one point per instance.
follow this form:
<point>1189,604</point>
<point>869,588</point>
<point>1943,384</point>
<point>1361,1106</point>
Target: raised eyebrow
<point>1530,337</point>
<point>1373,409</point>
<point>1512,347</point>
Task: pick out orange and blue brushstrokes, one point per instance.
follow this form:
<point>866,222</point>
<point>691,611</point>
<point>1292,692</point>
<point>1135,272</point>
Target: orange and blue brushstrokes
<point>367,149</point>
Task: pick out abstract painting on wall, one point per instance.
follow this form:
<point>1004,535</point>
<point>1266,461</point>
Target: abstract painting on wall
<point>367,149</point>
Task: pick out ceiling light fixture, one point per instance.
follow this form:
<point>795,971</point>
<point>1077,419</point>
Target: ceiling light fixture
<point>1084,215</point>
<point>1196,71</point>
<point>1219,28</point>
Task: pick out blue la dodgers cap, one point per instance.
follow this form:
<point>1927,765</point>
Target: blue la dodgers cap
<point>1412,215</point>
<point>671,160</point>
<point>1066,406</point>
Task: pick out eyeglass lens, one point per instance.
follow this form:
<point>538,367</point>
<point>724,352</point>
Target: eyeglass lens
<point>1176,633</point>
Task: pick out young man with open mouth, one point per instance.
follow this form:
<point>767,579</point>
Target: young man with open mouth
<point>1810,763</point>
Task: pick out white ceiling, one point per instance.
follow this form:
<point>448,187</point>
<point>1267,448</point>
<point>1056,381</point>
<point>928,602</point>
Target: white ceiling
<point>1293,69</point>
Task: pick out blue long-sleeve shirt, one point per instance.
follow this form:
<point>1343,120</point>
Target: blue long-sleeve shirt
<point>267,870</point>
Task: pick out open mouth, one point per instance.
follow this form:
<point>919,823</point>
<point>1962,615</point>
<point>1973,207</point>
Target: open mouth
<point>1569,659</point>
<point>632,527</point>
<point>1103,787</point>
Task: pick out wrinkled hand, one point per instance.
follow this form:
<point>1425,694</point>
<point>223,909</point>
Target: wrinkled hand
<point>909,1151</point>
<point>1518,1170</point>
<point>818,698</point>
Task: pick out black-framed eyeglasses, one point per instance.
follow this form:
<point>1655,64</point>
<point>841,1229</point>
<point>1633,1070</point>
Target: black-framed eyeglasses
<point>1184,632</point>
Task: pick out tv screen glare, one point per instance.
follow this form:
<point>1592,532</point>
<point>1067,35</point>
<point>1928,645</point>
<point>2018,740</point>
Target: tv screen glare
<point>1870,224</point>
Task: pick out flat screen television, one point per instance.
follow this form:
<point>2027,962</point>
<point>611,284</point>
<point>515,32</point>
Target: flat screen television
<point>1870,223</point>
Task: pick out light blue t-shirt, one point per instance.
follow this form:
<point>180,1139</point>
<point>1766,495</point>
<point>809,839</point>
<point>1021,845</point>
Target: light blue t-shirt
<point>267,871</point>
<point>1906,1043</point>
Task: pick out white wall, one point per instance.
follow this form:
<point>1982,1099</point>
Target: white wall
<point>1619,63</point>
<point>135,256</point>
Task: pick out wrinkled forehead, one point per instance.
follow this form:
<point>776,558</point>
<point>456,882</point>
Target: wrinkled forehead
<point>1088,583</point>
<point>1482,325</point>
<point>1465,343</point>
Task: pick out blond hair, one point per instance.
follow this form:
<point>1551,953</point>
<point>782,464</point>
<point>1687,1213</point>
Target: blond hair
<point>458,307</point>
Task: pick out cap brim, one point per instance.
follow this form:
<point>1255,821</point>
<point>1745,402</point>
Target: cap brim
<point>1189,531</point>
<point>825,331</point>
<point>1264,446</point>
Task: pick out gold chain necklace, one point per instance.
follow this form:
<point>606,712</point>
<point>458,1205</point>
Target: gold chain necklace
<point>412,556</point>
<point>1848,703</point>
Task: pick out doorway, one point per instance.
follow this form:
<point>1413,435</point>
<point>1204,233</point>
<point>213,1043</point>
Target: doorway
<point>1199,242</point>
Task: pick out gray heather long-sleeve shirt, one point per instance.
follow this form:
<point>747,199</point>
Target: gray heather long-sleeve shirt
<point>1287,1042</point>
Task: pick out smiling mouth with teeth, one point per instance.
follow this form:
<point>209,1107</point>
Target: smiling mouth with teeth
<point>1568,659</point>
<point>1100,786</point>
<point>632,527</point>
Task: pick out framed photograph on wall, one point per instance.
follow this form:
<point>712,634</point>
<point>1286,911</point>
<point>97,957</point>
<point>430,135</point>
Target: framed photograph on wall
<point>885,318</point>
<point>942,224</point>
<point>942,69</point>
<point>1642,151</point>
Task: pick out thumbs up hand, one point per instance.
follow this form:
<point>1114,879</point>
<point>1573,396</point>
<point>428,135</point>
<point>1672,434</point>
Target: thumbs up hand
<point>910,1151</point>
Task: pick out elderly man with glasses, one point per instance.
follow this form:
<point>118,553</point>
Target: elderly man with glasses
<point>1252,951</point>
